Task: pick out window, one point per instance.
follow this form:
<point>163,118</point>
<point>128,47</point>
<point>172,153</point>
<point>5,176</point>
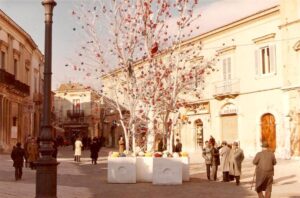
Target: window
<point>35,84</point>
<point>16,67</point>
<point>76,104</point>
<point>265,60</point>
<point>27,75</point>
<point>2,60</point>
<point>227,69</point>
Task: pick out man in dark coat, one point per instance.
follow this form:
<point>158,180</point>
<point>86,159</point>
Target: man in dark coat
<point>94,150</point>
<point>215,162</point>
<point>18,156</point>
<point>264,161</point>
<point>178,146</point>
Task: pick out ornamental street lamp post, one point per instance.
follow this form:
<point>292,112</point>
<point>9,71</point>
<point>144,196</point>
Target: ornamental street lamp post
<point>46,174</point>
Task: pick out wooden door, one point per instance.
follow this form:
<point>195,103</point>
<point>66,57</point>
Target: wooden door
<point>268,130</point>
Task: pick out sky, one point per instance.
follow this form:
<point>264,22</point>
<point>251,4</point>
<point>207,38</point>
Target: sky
<point>29,14</point>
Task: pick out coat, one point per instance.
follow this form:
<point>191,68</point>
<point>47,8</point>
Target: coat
<point>32,152</point>
<point>236,157</point>
<point>121,146</point>
<point>207,155</point>
<point>78,148</point>
<point>264,161</point>
<point>18,156</point>
<point>94,150</point>
<point>224,154</point>
<point>178,147</point>
<point>215,157</point>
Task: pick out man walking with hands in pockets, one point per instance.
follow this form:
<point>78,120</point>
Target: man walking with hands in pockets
<point>264,161</point>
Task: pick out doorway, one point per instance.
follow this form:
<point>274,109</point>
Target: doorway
<point>268,130</point>
<point>229,128</point>
<point>199,133</point>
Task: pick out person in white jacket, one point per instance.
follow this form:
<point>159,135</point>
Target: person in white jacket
<point>78,148</point>
<point>224,154</point>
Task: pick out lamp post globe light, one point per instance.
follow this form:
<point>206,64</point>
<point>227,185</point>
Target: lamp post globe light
<point>46,173</point>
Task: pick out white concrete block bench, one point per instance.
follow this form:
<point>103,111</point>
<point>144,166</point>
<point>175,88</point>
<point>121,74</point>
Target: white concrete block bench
<point>121,170</point>
<point>167,171</point>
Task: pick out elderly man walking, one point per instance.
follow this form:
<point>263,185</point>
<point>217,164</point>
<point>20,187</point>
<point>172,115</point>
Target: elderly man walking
<point>236,158</point>
<point>264,161</point>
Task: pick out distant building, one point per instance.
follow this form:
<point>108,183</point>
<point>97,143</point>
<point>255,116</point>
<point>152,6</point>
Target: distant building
<point>77,110</point>
<point>21,69</point>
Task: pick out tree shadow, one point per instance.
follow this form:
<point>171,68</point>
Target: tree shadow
<point>277,180</point>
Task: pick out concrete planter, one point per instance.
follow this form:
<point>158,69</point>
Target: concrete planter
<point>121,170</point>
<point>167,171</point>
<point>185,168</point>
<point>144,169</point>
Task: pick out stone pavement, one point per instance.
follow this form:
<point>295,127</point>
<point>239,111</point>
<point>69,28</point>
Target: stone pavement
<point>84,180</point>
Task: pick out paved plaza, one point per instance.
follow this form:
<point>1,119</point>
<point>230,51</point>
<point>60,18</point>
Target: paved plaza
<point>84,180</point>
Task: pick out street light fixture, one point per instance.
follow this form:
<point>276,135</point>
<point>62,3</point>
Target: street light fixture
<point>46,174</point>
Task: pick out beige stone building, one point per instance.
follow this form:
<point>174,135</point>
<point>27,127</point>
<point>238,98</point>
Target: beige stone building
<point>77,110</point>
<point>255,93</point>
<point>21,66</point>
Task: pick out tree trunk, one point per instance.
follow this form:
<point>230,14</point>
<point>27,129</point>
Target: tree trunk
<point>150,134</point>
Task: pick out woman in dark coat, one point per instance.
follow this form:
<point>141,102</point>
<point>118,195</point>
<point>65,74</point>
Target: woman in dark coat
<point>94,151</point>
<point>18,156</point>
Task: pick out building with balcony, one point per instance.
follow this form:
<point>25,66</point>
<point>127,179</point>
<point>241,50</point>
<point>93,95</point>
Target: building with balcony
<point>21,65</point>
<point>77,110</point>
<point>254,94</point>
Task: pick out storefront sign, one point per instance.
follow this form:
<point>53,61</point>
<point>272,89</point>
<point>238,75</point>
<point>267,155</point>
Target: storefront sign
<point>229,109</point>
<point>197,108</point>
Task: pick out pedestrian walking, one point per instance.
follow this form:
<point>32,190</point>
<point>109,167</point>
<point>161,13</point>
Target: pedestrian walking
<point>236,157</point>
<point>27,141</point>
<point>215,162</point>
<point>224,154</point>
<point>207,155</point>
<point>264,161</point>
<point>121,145</point>
<point>78,149</point>
<point>178,146</point>
<point>33,153</point>
<point>18,156</point>
<point>94,148</point>
<point>55,149</point>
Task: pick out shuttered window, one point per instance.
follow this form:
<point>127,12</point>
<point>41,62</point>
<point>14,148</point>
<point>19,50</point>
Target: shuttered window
<point>2,60</point>
<point>227,69</point>
<point>265,60</point>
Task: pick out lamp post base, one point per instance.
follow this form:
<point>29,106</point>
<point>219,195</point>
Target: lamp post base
<point>46,178</point>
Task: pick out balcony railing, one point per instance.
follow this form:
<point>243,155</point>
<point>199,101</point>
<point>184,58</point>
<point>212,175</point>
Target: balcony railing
<point>10,81</point>
<point>229,88</point>
<point>75,114</point>
<point>21,88</point>
<point>6,77</point>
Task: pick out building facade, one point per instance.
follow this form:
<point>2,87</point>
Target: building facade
<point>254,95</point>
<point>21,66</point>
<point>77,110</point>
